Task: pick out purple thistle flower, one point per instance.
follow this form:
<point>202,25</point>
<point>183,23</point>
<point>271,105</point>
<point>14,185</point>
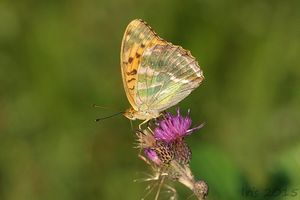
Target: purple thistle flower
<point>152,155</point>
<point>174,127</point>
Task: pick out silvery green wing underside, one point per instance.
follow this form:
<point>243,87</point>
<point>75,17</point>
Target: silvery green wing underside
<point>167,74</point>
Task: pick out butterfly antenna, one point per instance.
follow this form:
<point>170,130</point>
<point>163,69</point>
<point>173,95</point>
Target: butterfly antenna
<point>97,106</point>
<point>102,118</point>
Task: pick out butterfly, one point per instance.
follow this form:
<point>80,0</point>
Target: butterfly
<point>156,74</point>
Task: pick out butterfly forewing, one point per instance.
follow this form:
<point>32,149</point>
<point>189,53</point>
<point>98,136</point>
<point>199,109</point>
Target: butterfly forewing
<point>137,38</point>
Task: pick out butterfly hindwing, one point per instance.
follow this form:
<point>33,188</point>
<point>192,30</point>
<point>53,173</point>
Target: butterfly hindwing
<point>166,75</point>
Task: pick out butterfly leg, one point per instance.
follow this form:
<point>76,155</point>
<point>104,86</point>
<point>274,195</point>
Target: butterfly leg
<point>144,122</point>
<point>150,123</point>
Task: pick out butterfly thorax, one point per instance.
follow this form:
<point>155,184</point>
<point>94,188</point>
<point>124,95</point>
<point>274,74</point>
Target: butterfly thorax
<point>133,114</point>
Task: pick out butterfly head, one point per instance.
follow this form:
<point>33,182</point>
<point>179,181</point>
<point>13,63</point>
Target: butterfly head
<point>130,113</point>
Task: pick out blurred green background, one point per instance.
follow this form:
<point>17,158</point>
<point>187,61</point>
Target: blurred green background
<point>57,58</point>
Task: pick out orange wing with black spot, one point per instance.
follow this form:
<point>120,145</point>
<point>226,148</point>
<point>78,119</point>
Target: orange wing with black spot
<point>137,38</point>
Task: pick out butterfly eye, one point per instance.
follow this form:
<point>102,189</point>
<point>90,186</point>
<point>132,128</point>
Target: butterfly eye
<point>129,114</point>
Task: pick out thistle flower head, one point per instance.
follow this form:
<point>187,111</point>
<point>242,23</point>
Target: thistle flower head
<point>168,152</point>
<point>174,127</point>
<point>200,189</point>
